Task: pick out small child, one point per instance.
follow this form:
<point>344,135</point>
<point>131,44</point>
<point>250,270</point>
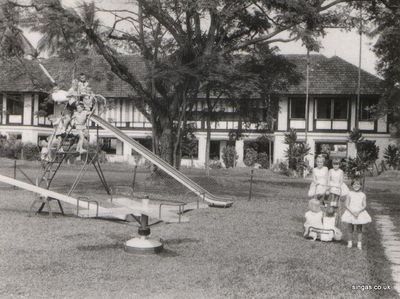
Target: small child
<point>44,152</point>
<point>83,85</point>
<point>313,219</point>
<point>337,188</point>
<point>329,225</point>
<point>79,121</point>
<point>73,97</point>
<point>60,125</point>
<point>355,214</point>
<point>319,185</point>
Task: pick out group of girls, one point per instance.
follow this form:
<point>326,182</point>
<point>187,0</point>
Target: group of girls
<point>326,192</point>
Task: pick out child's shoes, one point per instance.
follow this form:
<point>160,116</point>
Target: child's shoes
<point>359,245</point>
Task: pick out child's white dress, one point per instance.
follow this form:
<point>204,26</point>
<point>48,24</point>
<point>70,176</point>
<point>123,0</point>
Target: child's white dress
<point>355,204</point>
<point>313,219</point>
<point>332,232</point>
<point>320,183</point>
<point>336,185</point>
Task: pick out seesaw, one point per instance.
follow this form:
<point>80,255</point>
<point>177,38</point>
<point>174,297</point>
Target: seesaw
<point>126,209</point>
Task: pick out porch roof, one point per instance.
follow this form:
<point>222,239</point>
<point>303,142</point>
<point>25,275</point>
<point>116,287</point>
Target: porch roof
<point>332,76</point>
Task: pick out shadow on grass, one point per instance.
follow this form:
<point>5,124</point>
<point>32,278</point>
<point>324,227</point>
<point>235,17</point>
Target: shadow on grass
<point>101,247</point>
<point>180,241</point>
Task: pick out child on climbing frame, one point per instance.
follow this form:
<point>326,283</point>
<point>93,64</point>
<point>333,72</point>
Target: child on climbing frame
<point>355,214</point>
<point>79,121</point>
<point>83,86</point>
<point>313,219</point>
<point>60,125</point>
<point>337,188</point>
<point>319,185</point>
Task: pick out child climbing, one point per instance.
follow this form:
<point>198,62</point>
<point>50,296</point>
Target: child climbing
<point>313,219</point>
<point>337,188</point>
<point>319,185</point>
<point>79,121</point>
<point>60,125</point>
<point>355,214</point>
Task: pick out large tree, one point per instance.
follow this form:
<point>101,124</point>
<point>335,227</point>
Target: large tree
<point>178,39</point>
<point>384,15</point>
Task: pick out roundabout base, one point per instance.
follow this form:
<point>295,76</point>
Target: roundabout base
<point>143,245</point>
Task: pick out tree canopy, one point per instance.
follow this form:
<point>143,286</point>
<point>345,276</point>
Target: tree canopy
<point>180,41</point>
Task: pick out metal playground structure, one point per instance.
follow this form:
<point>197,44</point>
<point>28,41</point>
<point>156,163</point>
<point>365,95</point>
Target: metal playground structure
<point>127,207</point>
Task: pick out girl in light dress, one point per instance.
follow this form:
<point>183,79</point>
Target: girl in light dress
<point>355,214</point>
<point>337,188</point>
<point>313,219</point>
<point>319,185</point>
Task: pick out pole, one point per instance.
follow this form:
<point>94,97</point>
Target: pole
<point>15,171</point>
<point>251,184</point>
<point>359,73</point>
<point>134,178</point>
<point>307,94</point>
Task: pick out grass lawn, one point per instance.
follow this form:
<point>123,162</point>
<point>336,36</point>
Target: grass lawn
<point>254,249</point>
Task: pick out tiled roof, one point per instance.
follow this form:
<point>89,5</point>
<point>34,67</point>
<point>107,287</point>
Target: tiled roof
<point>332,76</point>
<point>327,75</point>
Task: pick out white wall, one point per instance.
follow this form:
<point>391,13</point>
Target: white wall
<point>27,109</point>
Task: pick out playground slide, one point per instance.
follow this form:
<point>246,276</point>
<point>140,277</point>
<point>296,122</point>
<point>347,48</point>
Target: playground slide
<point>90,209</point>
<point>177,175</point>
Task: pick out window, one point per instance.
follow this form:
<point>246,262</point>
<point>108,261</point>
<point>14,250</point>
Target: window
<point>15,104</point>
<point>46,106</point>
<point>15,108</point>
<point>214,149</point>
<point>298,107</point>
<point>324,108</point>
<point>109,145</point>
<point>366,113</point>
<point>332,109</point>
<point>340,107</point>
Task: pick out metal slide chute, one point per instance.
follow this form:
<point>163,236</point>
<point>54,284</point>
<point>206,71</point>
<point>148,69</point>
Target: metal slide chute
<point>212,200</point>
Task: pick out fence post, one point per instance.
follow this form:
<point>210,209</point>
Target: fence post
<point>134,178</point>
<point>251,184</point>
<point>15,171</point>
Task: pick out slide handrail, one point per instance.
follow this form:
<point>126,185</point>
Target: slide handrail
<point>176,174</point>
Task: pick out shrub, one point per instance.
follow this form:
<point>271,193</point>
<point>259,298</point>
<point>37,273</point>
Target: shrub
<point>263,160</point>
<point>296,153</point>
<point>229,156</point>
<point>392,156</point>
<point>11,148</point>
<point>215,164</point>
<point>367,154</point>
<point>30,152</point>
<point>250,157</point>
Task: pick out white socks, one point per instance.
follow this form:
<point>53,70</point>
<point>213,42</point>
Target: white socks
<point>350,244</point>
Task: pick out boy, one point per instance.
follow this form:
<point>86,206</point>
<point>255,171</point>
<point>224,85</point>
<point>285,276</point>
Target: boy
<point>79,121</point>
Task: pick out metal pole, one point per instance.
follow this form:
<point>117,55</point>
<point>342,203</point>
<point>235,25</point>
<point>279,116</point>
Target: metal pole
<point>134,178</point>
<point>251,184</point>
<point>307,94</point>
<point>15,171</point>
<point>359,73</point>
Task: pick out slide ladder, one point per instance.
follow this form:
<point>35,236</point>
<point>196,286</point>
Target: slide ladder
<point>212,200</point>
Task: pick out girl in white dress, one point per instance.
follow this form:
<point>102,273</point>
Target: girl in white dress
<point>355,215</point>
<point>313,219</point>
<point>337,188</point>
<point>319,185</point>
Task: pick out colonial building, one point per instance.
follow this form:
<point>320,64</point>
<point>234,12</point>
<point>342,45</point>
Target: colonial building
<point>323,121</point>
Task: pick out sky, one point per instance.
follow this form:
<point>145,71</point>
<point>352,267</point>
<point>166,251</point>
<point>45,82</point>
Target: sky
<point>336,42</point>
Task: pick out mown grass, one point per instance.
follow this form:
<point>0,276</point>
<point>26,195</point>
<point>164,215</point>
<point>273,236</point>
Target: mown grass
<point>253,250</point>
